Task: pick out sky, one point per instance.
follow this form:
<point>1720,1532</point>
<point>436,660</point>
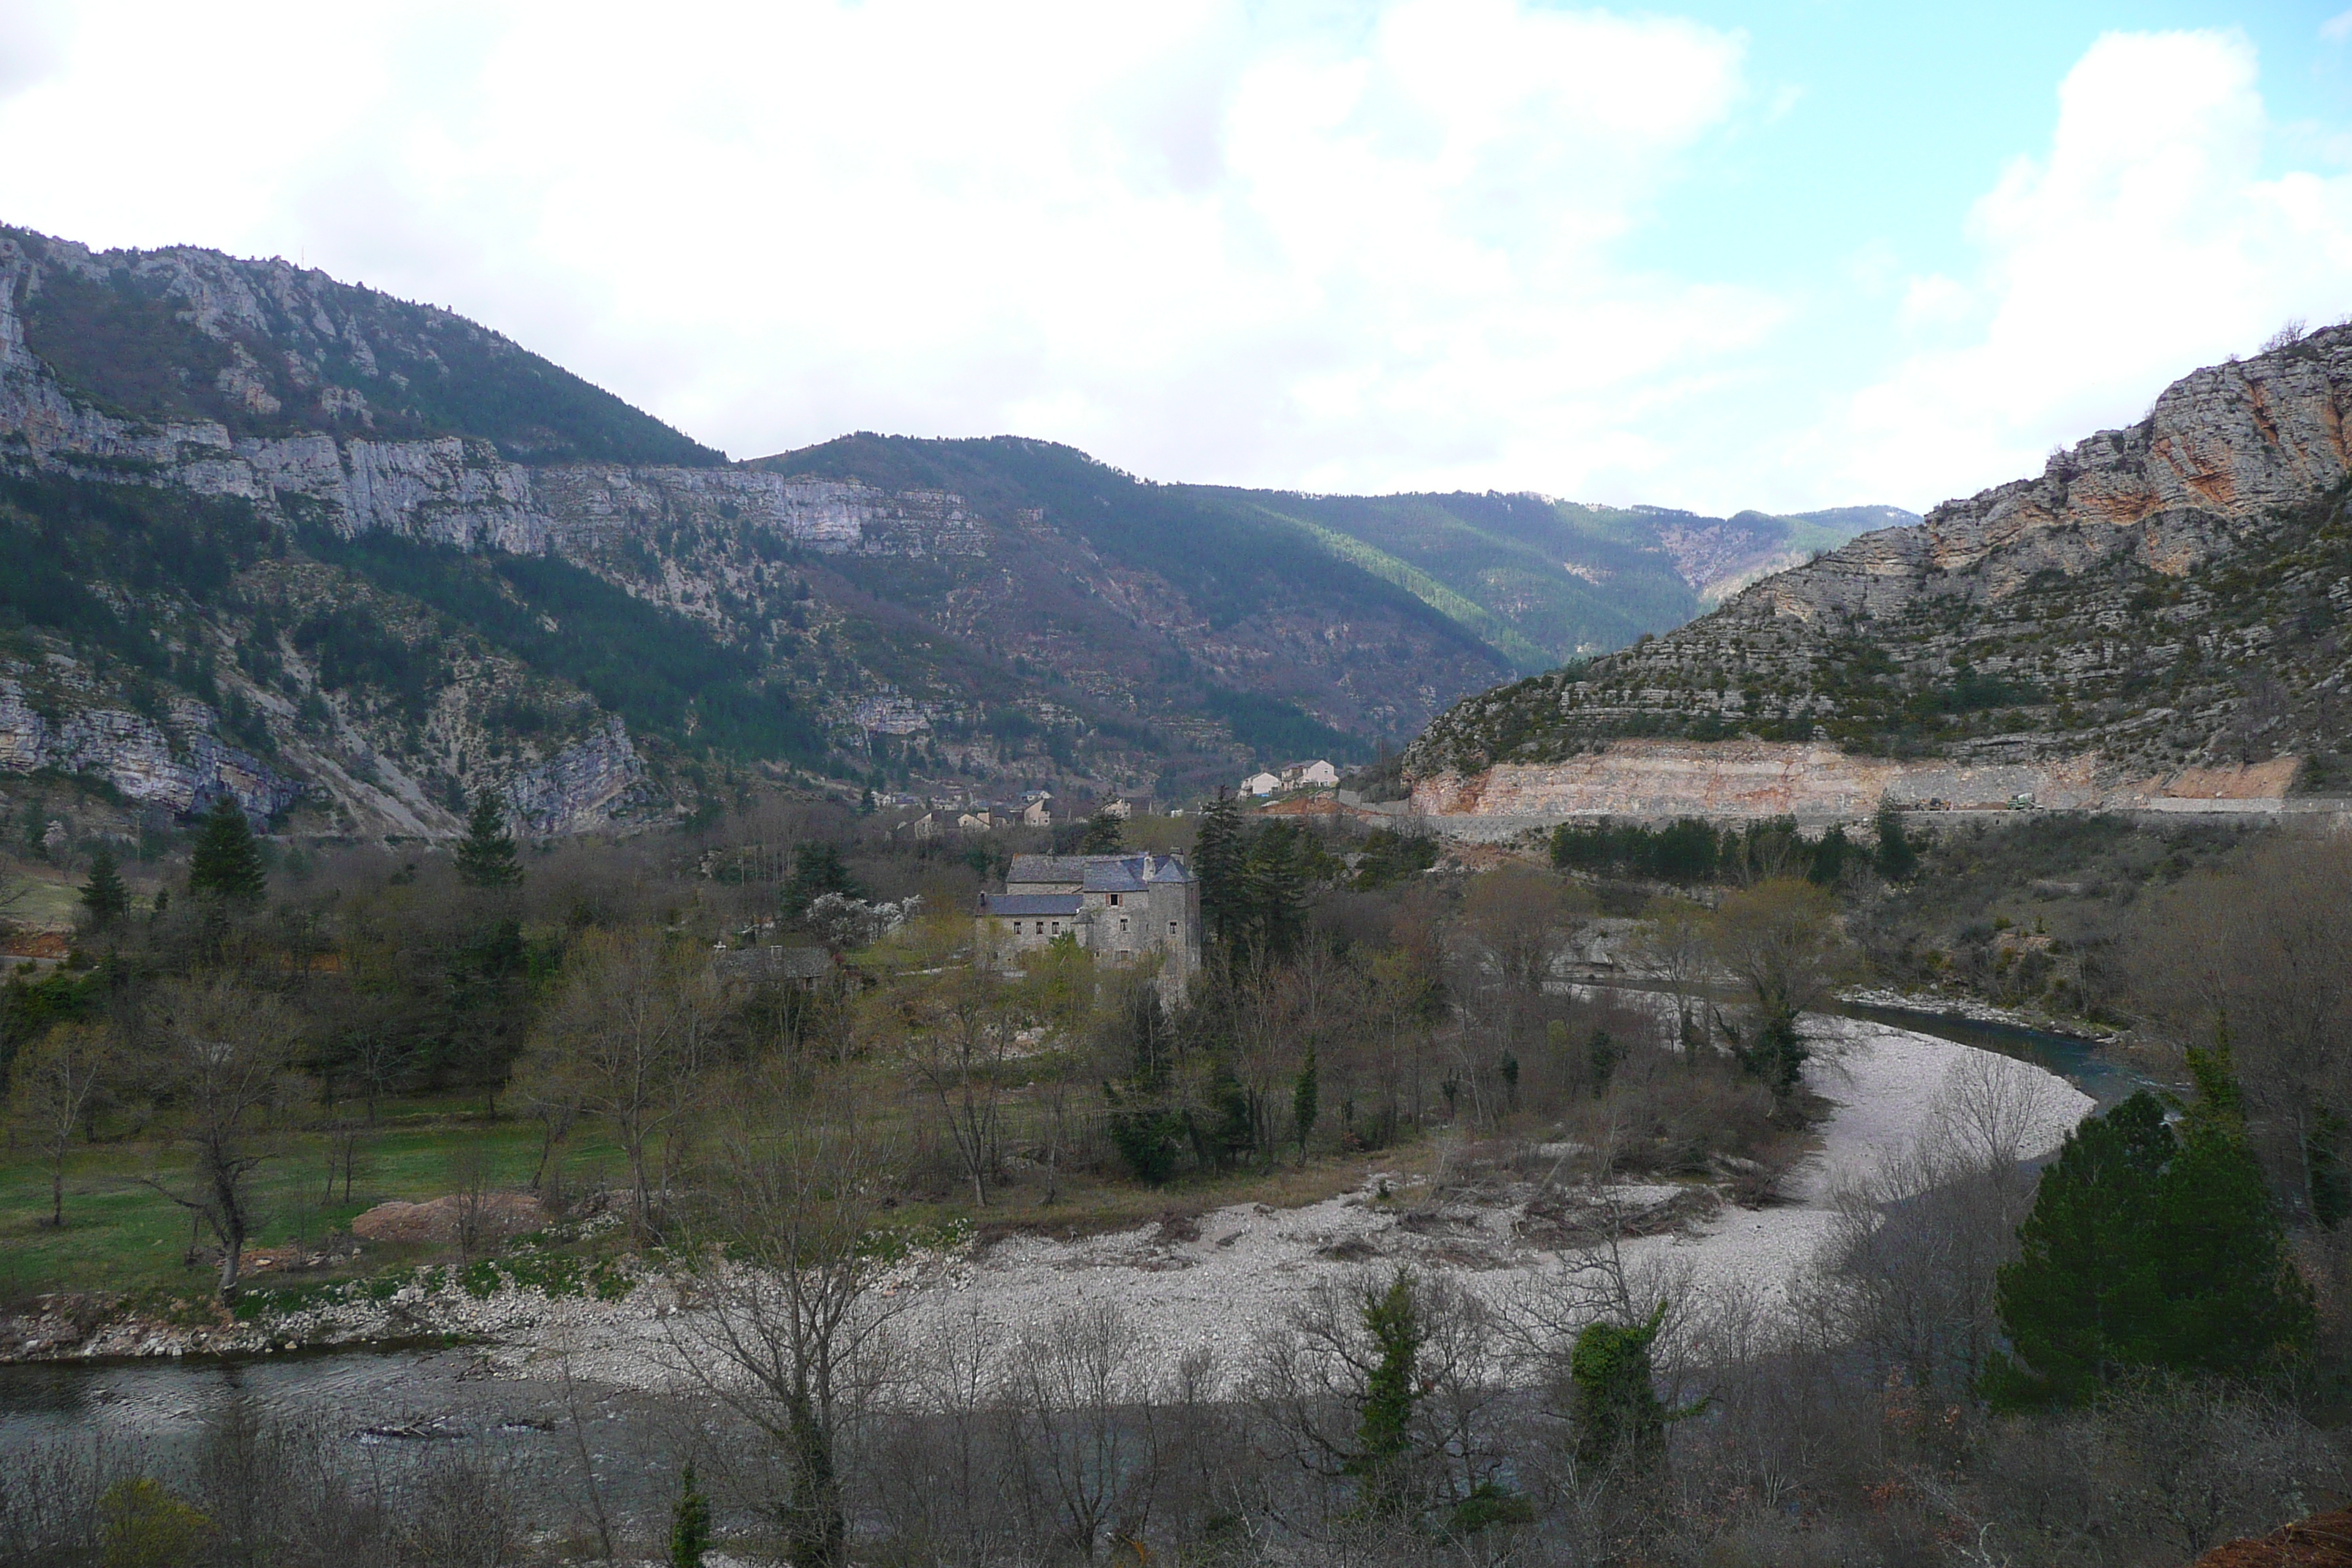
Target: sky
<point>1783,255</point>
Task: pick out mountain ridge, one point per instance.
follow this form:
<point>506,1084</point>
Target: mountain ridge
<point>439,563</point>
<point>2164,596</point>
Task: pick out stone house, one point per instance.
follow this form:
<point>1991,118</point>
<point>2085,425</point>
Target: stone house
<point>1039,813</point>
<point>1123,909</point>
<point>1318,774</point>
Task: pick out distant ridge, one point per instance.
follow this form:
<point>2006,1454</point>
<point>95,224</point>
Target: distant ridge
<point>2171,596</point>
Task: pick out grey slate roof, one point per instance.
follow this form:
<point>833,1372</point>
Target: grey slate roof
<point>1114,876</point>
<point>1011,904</point>
<point>1096,873</point>
<point>1070,868</point>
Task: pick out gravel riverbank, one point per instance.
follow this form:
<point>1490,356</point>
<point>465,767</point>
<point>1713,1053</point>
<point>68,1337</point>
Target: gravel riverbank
<point>1219,1284</point>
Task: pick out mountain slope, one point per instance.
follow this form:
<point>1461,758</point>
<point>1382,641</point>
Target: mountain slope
<point>288,538</point>
<point>2165,596</point>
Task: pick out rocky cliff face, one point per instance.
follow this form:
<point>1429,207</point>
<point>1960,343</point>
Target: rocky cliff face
<point>446,564</point>
<point>180,766</point>
<point>2161,597</point>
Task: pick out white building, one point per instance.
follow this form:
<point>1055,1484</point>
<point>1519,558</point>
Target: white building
<point>1318,774</point>
<point>1261,784</point>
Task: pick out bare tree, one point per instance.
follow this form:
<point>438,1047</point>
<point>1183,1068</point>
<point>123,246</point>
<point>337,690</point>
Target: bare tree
<point>1780,939</point>
<point>937,1469</point>
<point>788,1331</point>
<point>1672,948</point>
<point>1084,1455</point>
<point>2258,952</point>
<point>1910,1267</point>
<point>58,1083</point>
<point>960,1035</point>
<point>220,1049</point>
<point>1521,920</point>
<point>626,1043</point>
<point>469,1176</point>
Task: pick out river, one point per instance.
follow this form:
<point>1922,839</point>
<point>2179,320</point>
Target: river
<point>395,1409</point>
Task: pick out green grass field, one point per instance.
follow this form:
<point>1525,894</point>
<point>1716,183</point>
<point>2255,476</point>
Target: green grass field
<point>123,1234</point>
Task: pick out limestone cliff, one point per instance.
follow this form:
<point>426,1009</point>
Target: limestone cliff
<point>2160,598</point>
<point>400,559</point>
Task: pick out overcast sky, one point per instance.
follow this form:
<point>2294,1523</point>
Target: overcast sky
<point>1711,256</point>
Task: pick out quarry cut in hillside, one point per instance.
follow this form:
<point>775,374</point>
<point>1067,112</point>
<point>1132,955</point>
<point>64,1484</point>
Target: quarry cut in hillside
<point>1660,781</point>
<point>2157,618</point>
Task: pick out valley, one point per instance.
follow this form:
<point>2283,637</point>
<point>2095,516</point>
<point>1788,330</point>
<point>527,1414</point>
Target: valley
<point>394,559</point>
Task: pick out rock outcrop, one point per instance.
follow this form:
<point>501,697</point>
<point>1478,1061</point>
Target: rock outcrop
<point>1660,781</point>
<point>2161,597</point>
<point>183,769</point>
<point>577,788</point>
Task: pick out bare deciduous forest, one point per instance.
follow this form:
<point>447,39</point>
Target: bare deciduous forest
<point>588,1061</point>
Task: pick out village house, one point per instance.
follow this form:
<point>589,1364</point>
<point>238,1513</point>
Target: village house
<point>1317,774</point>
<point>1261,784</point>
<point>1039,813</point>
<point>1123,909</point>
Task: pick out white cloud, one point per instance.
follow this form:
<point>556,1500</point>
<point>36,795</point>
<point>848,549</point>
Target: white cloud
<point>2145,243</point>
<point>1195,238</point>
<point>2336,28</point>
<point>1333,248</point>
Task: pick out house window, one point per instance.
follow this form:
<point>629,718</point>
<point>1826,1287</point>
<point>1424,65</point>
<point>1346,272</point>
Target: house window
<point>1122,922</point>
<point>1058,928</point>
<point>1126,955</point>
<point>1171,927</point>
<point>1114,901</point>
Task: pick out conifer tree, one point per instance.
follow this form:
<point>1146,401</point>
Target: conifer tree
<point>104,898</point>
<point>2150,1250</point>
<point>1103,834</point>
<point>226,863</point>
<point>689,1523</point>
<point>1619,1416</point>
<point>1897,858</point>
<point>1219,865</point>
<point>485,856</point>
<point>1384,1418</point>
<point>1277,885</point>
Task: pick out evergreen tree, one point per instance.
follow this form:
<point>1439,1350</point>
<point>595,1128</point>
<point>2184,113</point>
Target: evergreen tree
<point>104,898</point>
<point>1897,858</point>
<point>1828,858</point>
<point>227,862</point>
<point>2149,1249</point>
<point>1103,834</point>
<point>1275,885</point>
<point>817,869</point>
<point>1384,1418</point>
<point>485,856</point>
<point>1306,1096</point>
<point>689,1523</point>
<point>1219,866</point>
<point>1619,1416</point>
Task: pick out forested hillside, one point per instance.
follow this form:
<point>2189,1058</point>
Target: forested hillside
<point>296,540</point>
